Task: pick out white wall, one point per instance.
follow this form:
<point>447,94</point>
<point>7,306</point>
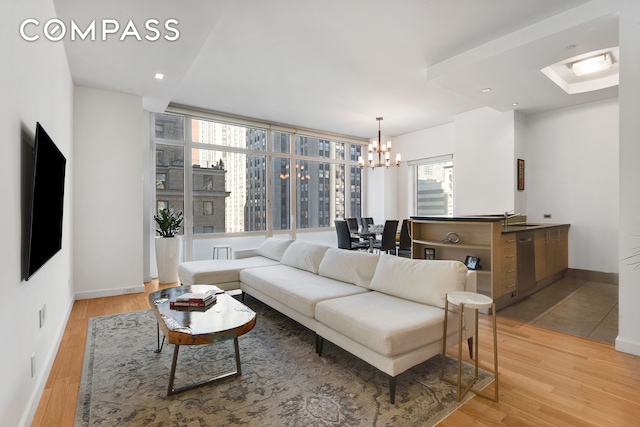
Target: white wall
<point>571,173</point>
<point>381,202</point>
<point>148,197</point>
<point>484,162</point>
<point>35,86</point>
<point>108,193</point>
<point>432,142</point>
<point>520,199</point>
<point>482,144</point>
<point>381,195</point>
<point>629,316</point>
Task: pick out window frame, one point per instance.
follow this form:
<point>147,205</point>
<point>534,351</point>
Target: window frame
<point>415,164</point>
<point>270,154</point>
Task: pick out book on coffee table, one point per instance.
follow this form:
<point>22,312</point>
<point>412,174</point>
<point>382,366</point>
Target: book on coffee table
<point>193,300</point>
<point>196,297</point>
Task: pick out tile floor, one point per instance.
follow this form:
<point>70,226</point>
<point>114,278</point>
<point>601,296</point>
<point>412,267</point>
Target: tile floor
<point>575,306</point>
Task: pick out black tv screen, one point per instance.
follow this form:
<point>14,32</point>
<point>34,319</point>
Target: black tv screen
<point>46,205</point>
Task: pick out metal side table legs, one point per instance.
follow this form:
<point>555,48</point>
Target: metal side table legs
<point>474,301</point>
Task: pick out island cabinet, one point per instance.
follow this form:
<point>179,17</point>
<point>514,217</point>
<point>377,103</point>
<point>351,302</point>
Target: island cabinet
<point>508,273</point>
<point>551,246</point>
<point>458,240</point>
<point>502,276</point>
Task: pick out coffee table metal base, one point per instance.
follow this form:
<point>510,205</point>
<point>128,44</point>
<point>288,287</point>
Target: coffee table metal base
<point>171,390</point>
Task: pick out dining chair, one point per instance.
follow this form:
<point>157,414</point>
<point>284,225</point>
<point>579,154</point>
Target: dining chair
<point>353,225</point>
<point>344,237</point>
<point>366,222</point>
<point>403,247</point>
<point>388,241</point>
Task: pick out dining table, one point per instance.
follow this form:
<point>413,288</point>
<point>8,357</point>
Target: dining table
<point>370,234</point>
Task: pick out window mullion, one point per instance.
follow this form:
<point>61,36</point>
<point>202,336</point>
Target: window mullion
<point>188,192</point>
<point>269,183</point>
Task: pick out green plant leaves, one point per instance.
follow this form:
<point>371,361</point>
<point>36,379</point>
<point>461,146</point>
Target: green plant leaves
<point>169,222</point>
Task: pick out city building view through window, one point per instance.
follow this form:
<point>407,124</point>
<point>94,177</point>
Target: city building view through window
<point>434,187</point>
<point>232,178</point>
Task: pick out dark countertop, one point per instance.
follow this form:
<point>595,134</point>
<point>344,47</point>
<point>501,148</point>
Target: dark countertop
<point>514,228</point>
<point>511,228</point>
<point>478,218</point>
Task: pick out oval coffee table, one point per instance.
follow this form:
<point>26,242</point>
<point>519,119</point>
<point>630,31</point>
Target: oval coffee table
<point>227,318</point>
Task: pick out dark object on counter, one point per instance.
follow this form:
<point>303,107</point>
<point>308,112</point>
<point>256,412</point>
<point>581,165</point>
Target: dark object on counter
<point>472,263</point>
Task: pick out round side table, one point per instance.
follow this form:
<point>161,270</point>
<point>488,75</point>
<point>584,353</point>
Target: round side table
<point>474,301</point>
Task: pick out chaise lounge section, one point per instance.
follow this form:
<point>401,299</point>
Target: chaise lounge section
<point>225,273</point>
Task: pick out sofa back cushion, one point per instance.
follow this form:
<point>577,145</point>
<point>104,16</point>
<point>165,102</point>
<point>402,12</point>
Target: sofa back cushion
<point>349,266</point>
<point>273,248</point>
<point>305,256</point>
<point>426,282</point>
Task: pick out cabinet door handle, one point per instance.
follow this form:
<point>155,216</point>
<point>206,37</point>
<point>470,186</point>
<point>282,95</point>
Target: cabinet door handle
<point>509,256</point>
<point>511,286</point>
<point>510,241</point>
<point>510,271</point>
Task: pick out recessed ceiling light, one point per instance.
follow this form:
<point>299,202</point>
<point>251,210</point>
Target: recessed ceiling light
<point>592,65</point>
<point>486,90</point>
<point>604,66</point>
<point>515,104</point>
<point>159,76</point>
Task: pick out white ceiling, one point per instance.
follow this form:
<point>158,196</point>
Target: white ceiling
<point>336,65</point>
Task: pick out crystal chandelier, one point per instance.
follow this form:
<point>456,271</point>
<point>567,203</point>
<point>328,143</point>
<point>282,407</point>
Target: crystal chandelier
<point>383,152</point>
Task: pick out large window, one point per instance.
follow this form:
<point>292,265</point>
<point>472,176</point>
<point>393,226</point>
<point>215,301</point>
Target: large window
<point>249,178</point>
<point>434,186</point>
<point>169,177</point>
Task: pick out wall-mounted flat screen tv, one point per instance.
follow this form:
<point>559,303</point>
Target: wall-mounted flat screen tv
<point>47,201</point>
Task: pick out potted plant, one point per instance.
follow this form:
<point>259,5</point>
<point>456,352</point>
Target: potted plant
<point>168,245</point>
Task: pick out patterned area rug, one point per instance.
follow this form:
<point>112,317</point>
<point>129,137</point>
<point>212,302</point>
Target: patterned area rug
<point>283,383</point>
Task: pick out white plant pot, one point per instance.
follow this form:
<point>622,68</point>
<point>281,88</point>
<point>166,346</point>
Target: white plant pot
<point>167,258</point>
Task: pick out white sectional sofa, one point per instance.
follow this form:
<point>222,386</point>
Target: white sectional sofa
<point>384,309</point>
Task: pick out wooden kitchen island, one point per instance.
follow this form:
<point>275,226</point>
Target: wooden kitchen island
<point>516,260</point>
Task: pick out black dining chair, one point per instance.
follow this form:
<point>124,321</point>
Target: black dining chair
<point>388,241</point>
<point>364,224</point>
<point>344,237</point>
<point>352,223</point>
<point>367,222</point>
<point>403,247</point>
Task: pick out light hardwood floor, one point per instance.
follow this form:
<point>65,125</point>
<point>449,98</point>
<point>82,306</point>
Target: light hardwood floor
<point>547,378</point>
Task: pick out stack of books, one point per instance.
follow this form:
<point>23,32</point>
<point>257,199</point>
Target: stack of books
<point>193,301</point>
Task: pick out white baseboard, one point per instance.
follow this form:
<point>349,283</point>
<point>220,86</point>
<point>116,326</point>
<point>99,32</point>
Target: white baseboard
<point>109,292</point>
<point>631,347</point>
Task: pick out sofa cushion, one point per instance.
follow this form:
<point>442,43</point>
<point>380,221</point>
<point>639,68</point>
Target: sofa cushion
<point>273,248</point>
<point>349,266</point>
<point>305,256</point>
<point>213,272</point>
<point>424,281</point>
<point>386,324</point>
<point>298,289</point>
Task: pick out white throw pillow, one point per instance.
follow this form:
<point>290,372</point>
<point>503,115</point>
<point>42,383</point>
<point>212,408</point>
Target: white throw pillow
<point>305,256</point>
<point>423,281</point>
<point>273,248</point>
<point>349,266</point>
